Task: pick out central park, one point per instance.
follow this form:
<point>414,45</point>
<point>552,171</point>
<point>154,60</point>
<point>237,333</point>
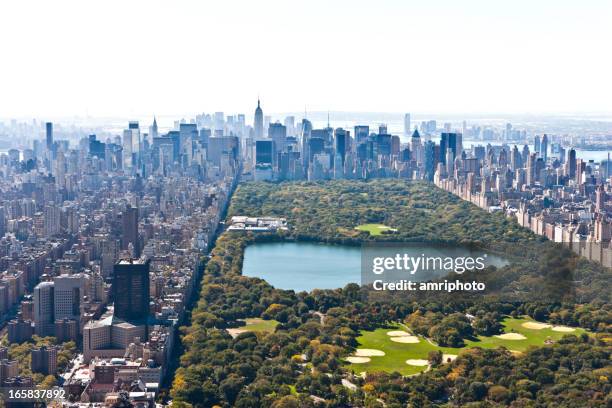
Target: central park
<point>539,334</point>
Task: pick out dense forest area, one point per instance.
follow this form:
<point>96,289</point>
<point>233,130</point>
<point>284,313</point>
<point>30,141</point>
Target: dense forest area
<point>301,363</point>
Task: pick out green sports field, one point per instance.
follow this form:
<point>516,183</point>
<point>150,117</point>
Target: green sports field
<point>256,324</point>
<point>374,229</point>
<point>396,354</point>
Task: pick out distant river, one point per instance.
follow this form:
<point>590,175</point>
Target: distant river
<point>304,266</point>
<point>596,155</point>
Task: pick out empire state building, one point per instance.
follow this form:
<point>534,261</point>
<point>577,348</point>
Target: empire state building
<point>258,125</point>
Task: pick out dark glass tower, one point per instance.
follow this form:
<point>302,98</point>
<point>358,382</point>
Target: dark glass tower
<point>131,289</point>
<point>49,135</point>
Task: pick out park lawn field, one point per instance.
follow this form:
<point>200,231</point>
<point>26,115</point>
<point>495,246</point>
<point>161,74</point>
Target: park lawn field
<point>396,354</point>
<point>260,325</point>
<point>535,337</point>
<point>374,229</point>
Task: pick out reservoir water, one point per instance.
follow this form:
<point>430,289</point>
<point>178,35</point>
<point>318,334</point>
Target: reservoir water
<point>304,266</point>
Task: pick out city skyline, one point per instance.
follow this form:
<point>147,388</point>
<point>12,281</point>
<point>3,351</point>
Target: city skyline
<point>140,58</point>
<point>305,203</point>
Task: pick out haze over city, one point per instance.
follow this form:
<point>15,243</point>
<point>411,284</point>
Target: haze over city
<point>130,59</point>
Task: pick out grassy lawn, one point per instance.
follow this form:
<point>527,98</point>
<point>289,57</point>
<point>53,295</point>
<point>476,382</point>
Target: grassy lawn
<point>396,354</point>
<point>535,337</point>
<point>374,229</point>
<point>257,324</point>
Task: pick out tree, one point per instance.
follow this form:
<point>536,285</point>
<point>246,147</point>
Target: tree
<point>435,358</point>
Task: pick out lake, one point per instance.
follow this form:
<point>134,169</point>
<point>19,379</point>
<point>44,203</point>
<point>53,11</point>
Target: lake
<point>304,266</point>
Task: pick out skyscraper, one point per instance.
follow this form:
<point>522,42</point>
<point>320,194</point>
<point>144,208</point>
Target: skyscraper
<point>131,289</point>
<point>571,164</point>
<point>188,132</point>
<point>449,141</point>
<point>429,157</point>
<point>415,143</point>
<point>258,124</point>
<point>406,124</point>
<point>361,133</point>
<point>49,135</point>
<point>531,169</point>
<point>342,143</point>
<point>278,133</point>
<point>600,198</point>
<point>154,131</point>
<point>264,153</point>
<point>544,148</point>
<point>68,291</point>
<point>127,149</point>
<point>129,221</point>
<point>134,127</point>
<point>44,309</point>
<point>290,125</point>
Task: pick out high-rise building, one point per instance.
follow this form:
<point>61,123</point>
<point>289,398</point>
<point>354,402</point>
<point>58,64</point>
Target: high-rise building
<point>134,127</point>
<point>66,330</point>
<point>129,221</point>
<point>450,141</point>
<point>342,141</point>
<point>153,130</point>
<point>516,161</point>
<point>8,369</point>
<point>68,292</point>
<point>131,289</point>
<point>316,145</point>
<point>44,360</point>
<point>544,148</point>
<point>600,198</point>
<point>531,169</point>
<point>52,220</point>
<point>96,148</point>
<point>361,133</point>
<point>188,133</point>
<point>223,147</point>
<point>264,152</point>
<point>49,135</point>
<point>19,330</point>
<point>417,148</point>
<point>258,124</point>
<point>278,133</point>
<point>571,164</point>
<point>429,157</point>
<point>290,125</point>
<point>2,221</point>
<point>44,308</point>
<point>127,149</point>
<point>406,124</point>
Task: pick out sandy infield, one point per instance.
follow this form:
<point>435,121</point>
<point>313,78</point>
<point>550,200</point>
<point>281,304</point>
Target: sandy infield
<point>447,357</point>
<point>398,333</point>
<point>416,362</point>
<point>369,353</point>
<point>563,329</point>
<point>235,332</point>
<point>358,360</point>
<point>511,336</point>
<point>405,339</point>
<point>535,325</point>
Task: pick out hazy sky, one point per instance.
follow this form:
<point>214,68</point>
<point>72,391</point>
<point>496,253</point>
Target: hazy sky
<point>130,57</point>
